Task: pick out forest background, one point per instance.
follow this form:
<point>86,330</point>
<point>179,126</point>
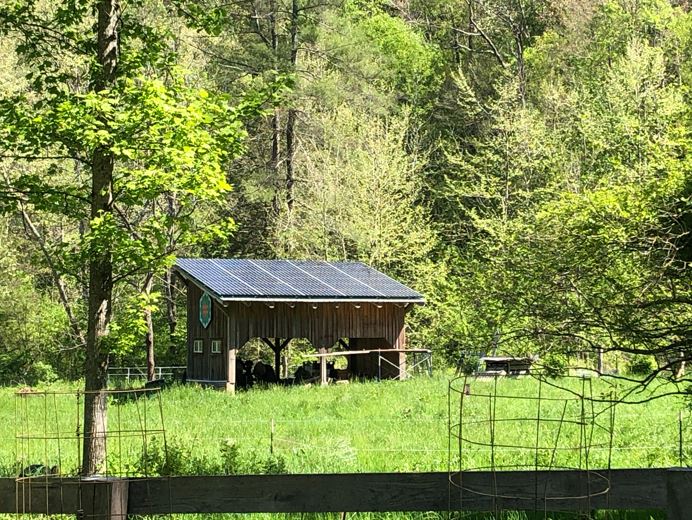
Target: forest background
<point>524,164</point>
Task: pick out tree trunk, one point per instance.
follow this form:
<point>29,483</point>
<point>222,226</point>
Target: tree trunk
<point>169,279</point>
<point>55,273</point>
<point>521,71</point>
<point>290,153</point>
<point>149,335</point>
<point>275,159</point>
<point>291,117</point>
<point>171,308</point>
<point>679,367</point>
<point>100,263</point>
<point>680,370</point>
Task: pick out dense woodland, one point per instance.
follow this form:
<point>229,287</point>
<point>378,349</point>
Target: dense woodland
<point>525,164</point>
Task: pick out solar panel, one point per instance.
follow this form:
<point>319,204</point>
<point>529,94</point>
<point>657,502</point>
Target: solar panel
<point>293,274</point>
<point>377,280</point>
<point>215,278</point>
<point>293,279</point>
<point>339,281</point>
<point>258,278</point>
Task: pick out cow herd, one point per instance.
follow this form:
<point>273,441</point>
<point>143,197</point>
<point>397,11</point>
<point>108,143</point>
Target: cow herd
<point>248,374</point>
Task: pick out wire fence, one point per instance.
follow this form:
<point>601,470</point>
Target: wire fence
<point>125,376</point>
<point>262,431</point>
<point>48,433</point>
<point>566,426</point>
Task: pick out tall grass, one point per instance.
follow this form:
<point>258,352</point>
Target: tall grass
<point>387,426</point>
<point>379,427</point>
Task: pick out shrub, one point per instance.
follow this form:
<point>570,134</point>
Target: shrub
<point>555,364</point>
<point>469,363</point>
<point>176,458</point>
<point>641,365</point>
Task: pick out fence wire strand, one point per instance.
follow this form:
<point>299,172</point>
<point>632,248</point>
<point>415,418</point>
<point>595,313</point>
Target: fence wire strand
<point>564,432</point>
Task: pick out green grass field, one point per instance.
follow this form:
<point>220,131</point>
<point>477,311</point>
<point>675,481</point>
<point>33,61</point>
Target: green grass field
<point>362,427</point>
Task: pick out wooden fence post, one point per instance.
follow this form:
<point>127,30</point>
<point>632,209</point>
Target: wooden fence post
<point>230,369</point>
<point>323,367</point>
<point>104,499</point>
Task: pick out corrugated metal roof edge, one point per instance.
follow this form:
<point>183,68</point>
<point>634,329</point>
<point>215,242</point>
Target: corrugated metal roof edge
<point>302,299</point>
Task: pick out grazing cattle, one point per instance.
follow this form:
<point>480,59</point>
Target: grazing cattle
<point>243,373</point>
<point>180,377</point>
<point>240,378</point>
<point>264,373</point>
<point>247,370</point>
<point>310,372</point>
<point>341,374</point>
<point>307,372</point>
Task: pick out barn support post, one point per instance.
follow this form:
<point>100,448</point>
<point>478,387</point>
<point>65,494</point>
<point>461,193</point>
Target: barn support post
<point>230,369</point>
<point>277,357</point>
<point>284,363</point>
<point>401,344</point>
<point>277,347</point>
<point>323,367</point>
<point>284,346</point>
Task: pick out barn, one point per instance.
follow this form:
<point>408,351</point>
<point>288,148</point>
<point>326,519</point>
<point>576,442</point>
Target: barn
<point>346,304</point>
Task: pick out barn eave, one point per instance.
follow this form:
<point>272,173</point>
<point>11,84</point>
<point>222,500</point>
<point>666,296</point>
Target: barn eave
<point>269,299</point>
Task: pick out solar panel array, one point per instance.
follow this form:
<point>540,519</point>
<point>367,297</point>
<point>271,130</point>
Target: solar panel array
<point>293,279</point>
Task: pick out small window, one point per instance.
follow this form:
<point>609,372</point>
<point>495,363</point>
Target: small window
<point>216,346</point>
<point>198,346</point>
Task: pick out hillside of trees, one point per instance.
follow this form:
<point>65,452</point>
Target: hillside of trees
<point>524,164</point>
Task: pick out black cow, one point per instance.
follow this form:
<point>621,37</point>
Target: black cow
<point>264,373</point>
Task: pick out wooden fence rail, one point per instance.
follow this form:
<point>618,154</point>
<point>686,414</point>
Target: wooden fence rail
<point>667,490</point>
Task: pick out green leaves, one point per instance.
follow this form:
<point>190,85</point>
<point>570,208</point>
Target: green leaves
<point>156,140</point>
<point>414,64</point>
<point>129,326</point>
<point>204,16</point>
<point>571,206</point>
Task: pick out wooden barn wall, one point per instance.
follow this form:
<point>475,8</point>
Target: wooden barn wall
<point>205,366</point>
<point>367,327</point>
<point>322,326</point>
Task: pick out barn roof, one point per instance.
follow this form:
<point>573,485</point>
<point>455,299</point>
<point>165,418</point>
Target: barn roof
<point>293,281</point>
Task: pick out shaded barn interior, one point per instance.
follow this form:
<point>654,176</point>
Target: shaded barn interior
<point>329,304</point>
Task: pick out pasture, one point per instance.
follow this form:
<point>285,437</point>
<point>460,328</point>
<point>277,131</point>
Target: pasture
<point>369,427</point>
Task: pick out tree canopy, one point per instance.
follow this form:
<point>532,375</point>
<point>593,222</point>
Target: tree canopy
<point>523,163</point>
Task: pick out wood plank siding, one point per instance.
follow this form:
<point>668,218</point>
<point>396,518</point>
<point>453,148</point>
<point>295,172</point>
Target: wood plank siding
<point>366,325</point>
<point>205,366</point>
